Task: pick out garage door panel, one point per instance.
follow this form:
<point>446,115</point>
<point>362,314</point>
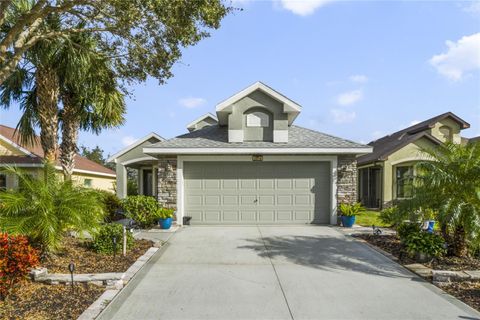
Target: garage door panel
<point>257,192</point>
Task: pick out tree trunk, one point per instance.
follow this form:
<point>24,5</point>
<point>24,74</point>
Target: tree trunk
<point>47,93</point>
<point>70,128</point>
<point>459,242</point>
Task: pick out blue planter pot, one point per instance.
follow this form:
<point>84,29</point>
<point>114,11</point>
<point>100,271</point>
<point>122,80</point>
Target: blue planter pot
<point>348,222</point>
<point>165,223</point>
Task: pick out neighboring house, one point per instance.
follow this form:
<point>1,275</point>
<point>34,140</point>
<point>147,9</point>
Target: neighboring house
<point>248,165</point>
<point>385,175</point>
<point>30,158</point>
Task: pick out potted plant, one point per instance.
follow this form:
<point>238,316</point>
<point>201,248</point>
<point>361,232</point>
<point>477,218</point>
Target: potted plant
<point>165,216</point>
<point>349,211</point>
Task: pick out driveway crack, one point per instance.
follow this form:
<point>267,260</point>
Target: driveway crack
<point>276,274</point>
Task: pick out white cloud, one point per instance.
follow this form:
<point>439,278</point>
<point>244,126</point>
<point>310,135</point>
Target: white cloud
<point>128,140</point>
<point>349,98</point>
<point>461,57</point>
<point>359,78</point>
<point>414,122</point>
<point>377,134</point>
<point>191,103</point>
<point>303,7</point>
<point>472,7</point>
<point>342,116</point>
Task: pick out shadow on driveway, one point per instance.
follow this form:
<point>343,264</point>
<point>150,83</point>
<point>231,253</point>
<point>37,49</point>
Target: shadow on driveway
<point>324,252</point>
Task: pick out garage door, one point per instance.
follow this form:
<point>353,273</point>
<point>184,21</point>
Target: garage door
<point>257,192</point>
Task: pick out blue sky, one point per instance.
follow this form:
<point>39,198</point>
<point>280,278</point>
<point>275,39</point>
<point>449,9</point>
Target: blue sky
<point>359,69</point>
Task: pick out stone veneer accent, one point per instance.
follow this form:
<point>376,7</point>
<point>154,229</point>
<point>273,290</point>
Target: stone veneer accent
<point>346,179</point>
<point>167,183</point>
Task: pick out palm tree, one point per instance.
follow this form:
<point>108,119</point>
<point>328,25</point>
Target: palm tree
<point>43,209</point>
<point>89,93</point>
<point>449,184</point>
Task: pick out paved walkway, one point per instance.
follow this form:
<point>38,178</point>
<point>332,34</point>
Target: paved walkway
<point>304,272</point>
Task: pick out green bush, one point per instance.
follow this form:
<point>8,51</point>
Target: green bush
<point>45,207</point>
<point>111,202</point>
<point>392,216</point>
<point>349,210</point>
<point>144,210</point>
<point>407,228</point>
<point>423,242</point>
<point>103,239</point>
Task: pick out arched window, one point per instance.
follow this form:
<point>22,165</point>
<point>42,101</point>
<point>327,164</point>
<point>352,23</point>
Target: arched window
<point>257,119</point>
<point>446,132</point>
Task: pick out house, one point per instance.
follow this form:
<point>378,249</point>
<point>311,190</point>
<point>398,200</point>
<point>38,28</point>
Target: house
<point>248,165</point>
<point>30,158</point>
<point>385,175</point>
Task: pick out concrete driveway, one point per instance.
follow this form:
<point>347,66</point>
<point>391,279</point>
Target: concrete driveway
<point>304,272</point>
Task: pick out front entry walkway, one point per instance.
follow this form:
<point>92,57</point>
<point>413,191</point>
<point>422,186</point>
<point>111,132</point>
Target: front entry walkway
<point>297,272</point>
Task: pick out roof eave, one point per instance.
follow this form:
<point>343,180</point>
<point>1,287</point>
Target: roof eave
<point>279,151</point>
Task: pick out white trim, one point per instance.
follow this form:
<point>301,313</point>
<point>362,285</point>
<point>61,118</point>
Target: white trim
<point>24,165</point>
<point>333,160</point>
<point>188,151</point>
<point>280,136</point>
<point>138,160</point>
<point>192,124</point>
<point>235,135</point>
<point>114,157</point>
<point>410,159</point>
<point>258,85</point>
<point>95,173</point>
<point>13,144</point>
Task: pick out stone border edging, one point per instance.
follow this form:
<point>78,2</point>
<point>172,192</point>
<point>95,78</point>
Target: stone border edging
<point>96,307</point>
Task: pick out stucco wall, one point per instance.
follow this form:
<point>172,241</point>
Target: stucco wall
<point>167,182</point>
<point>454,126</point>
<point>7,149</point>
<point>346,179</point>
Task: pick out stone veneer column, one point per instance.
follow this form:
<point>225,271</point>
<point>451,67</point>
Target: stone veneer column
<point>347,179</point>
<point>167,183</point>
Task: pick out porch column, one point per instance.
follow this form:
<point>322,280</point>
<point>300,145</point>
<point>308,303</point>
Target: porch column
<point>121,181</point>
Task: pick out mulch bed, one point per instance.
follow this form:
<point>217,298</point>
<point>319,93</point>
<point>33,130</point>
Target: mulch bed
<point>88,261</point>
<point>39,301</point>
<point>468,292</point>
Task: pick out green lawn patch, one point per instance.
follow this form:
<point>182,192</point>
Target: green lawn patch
<point>369,218</point>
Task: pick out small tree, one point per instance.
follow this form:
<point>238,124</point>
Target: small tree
<point>43,209</point>
<point>448,184</point>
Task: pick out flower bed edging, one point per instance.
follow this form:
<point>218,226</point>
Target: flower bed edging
<point>95,308</point>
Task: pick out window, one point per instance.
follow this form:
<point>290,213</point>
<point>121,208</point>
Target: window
<point>446,132</point>
<point>87,183</point>
<point>257,119</point>
<point>404,182</point>
<point>3,182</point>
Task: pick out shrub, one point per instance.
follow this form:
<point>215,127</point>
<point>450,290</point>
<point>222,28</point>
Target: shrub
<point>103,239</point>
<point>17,257</point>
<point>349,210</point>
<point>407,228</point>
<point>45,207</point>
<point>112,204</point>
<point>144,210</point>
<point>392,216</point>
<point>430,244</point>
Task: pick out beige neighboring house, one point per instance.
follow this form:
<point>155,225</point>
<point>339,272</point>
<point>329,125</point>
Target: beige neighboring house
<point>385,175</point>
<point>30,158</point>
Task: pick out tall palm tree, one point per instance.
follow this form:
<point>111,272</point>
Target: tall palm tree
<point>89,93</point>
<point>449,184</point>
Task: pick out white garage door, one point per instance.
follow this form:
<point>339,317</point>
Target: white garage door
<point>257,192</point>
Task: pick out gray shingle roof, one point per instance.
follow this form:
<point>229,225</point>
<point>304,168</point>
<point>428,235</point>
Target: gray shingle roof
<point>217,137</point>
<point>386,145</point>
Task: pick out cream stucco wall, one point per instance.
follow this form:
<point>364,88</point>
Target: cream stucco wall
<point>454,127</point>
<point>407,155</point>
<point>7,149</point>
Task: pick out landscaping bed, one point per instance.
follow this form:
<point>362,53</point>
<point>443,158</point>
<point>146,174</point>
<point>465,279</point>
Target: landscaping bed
<point>88,261</point>
<point>466,291</point>
<point>32,300</point>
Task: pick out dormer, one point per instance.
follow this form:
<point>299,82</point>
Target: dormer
<point>257,113</point>
<point>447,129</point>
<point>207,119</point>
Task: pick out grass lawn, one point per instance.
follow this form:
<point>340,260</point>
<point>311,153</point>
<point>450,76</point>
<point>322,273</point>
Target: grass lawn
<point>368,218</point>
